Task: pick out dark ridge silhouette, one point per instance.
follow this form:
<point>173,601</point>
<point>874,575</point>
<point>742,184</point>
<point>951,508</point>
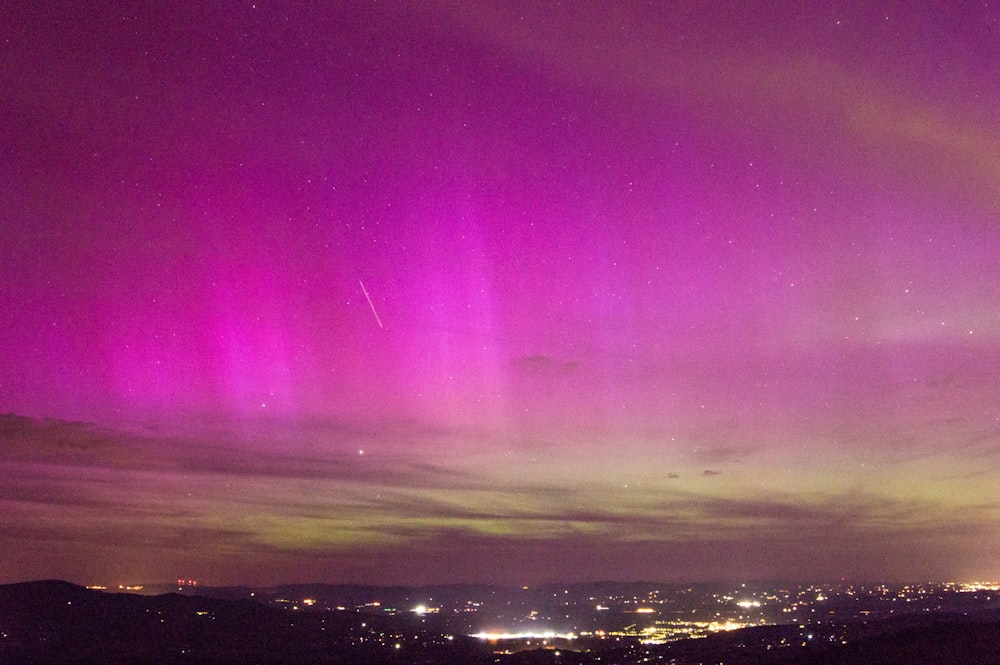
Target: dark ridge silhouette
<point>943,640</point>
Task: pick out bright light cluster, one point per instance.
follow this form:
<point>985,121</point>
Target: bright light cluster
<point>547,635</point>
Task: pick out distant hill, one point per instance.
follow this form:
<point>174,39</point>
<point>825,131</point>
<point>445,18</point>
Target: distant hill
<point>57,623</point>
<point>938,639</point>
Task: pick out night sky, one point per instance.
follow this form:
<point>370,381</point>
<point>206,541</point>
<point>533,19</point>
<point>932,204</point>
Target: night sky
<point>499,292</point>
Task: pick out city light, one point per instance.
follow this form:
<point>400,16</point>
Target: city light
<point>547,635</point>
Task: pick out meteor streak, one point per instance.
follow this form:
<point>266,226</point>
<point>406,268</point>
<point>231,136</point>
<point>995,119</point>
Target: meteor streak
<point>369,299</point>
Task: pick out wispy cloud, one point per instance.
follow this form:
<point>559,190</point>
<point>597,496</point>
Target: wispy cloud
<point>543,365</point>
<point>67,480</point>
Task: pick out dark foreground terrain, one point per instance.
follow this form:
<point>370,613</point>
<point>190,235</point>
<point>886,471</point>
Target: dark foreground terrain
<point>57,623</point>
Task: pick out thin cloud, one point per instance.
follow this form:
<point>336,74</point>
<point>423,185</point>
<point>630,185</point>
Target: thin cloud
<point>724,454</point>
<point>543,365</point>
